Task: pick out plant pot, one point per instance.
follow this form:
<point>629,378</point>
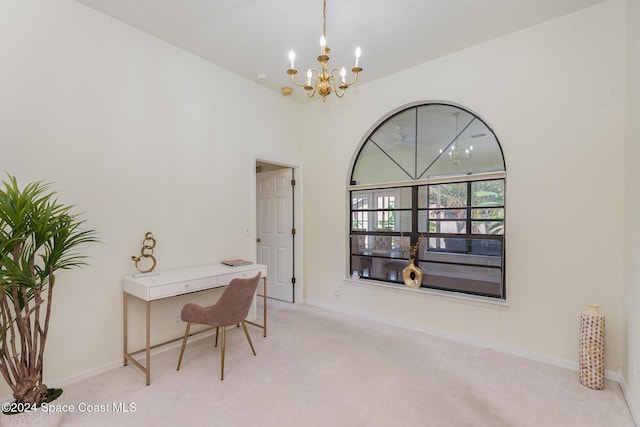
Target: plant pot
<point>412,275</point>
<point>47,415</point>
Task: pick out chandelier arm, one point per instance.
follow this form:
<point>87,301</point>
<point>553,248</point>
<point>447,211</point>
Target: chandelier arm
<point>314,75</point>
<point>337,89</point>
<point>311,93</point>
<point>293,79</point>
<point>355,78</point>
<point>338,85</point>
<point>344,83</point>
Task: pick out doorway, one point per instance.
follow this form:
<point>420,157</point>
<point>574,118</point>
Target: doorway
<point>275,227</point>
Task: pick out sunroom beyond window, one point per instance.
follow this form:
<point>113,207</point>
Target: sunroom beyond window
<point>433,173</point>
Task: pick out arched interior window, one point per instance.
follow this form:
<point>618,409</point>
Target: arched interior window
<point>433,175</point>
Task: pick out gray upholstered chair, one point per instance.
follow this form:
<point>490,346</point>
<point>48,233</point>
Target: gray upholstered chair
<point>231,309</point>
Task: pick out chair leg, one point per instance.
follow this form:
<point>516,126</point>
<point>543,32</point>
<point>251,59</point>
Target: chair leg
<point>184,344</point>
<point>216,344</point>
<point>244,326</point>
<point>222,354</point>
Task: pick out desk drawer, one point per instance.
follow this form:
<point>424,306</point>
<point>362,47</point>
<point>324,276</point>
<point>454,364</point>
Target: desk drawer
<point>226,278</point>
<point>185,287</point>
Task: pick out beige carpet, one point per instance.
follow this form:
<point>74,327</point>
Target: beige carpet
<point>319,368</point>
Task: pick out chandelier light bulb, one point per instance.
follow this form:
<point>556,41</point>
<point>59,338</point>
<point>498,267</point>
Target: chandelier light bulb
<point>343,74</point>
<point>309,77</point>
<point>358,53</point>
<point>292,57</point>
<point>323,43</point>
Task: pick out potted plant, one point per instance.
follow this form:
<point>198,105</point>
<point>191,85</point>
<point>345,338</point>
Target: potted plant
<point>38,236</point>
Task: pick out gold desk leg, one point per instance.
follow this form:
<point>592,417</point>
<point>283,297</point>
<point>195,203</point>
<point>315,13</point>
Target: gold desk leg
<point>128,357</point>
<point>125,306</point>
<point>148,349</point>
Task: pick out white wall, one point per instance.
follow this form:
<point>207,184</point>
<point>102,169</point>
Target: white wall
<point>141,136</point>
<point>144,137</point>
<point>555,96</point>
<point>631,356</point>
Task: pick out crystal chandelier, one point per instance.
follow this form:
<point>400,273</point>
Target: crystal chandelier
<point>324,81</point>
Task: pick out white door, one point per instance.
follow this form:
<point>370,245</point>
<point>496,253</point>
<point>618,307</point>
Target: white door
<point>275,236</point>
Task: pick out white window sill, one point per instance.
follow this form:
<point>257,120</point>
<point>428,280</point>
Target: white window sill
<point>456,297</point>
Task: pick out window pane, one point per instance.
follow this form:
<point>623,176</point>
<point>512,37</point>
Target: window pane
<point>455,227</point>
<point>486,247</point>
<point>397,140</point>
<point>375,166</point>
<point>359,207</point>
<point>463,278</point>
<point>476,259</point>
<point>385,221</point>
<point>464,245</point>
<point>378,268</point>
<point>487,227</point>
<point>379,245</point>
<point>360,221</point>
<point>379,257</point>
<point>487,213</point>
<point>396,221</point>
<point>402,245</point>
<point>487,193</point>
<point>381,210</point>
<point>447,214</point>
<point>395,197</point>
<point>359,202</point>
<point>448,195</point>
<point>448,244</point>
<point>424,225</point>
<point>464,144</point>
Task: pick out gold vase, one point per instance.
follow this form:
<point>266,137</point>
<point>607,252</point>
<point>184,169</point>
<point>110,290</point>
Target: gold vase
<point>412,275</point>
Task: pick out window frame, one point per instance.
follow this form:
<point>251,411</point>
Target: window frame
<point>476,262</point>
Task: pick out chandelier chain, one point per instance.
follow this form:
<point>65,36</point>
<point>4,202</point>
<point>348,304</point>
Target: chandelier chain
<point>324,17</point>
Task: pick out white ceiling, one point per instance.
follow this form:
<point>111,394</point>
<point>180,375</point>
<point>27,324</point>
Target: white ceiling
<point>251,37</point>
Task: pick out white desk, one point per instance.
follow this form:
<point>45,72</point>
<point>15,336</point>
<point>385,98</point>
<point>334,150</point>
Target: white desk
<point>159,285</point>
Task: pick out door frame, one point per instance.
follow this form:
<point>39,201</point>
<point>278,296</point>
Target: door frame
<point>298,288</point>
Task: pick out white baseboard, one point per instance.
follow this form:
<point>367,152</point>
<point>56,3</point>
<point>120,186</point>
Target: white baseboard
<point>109,366</point>
<point>633,408</point>
<point>119,363</point>
<point>555,361</point>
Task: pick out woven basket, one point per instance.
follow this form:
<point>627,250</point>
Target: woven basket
<point>592,346</point>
